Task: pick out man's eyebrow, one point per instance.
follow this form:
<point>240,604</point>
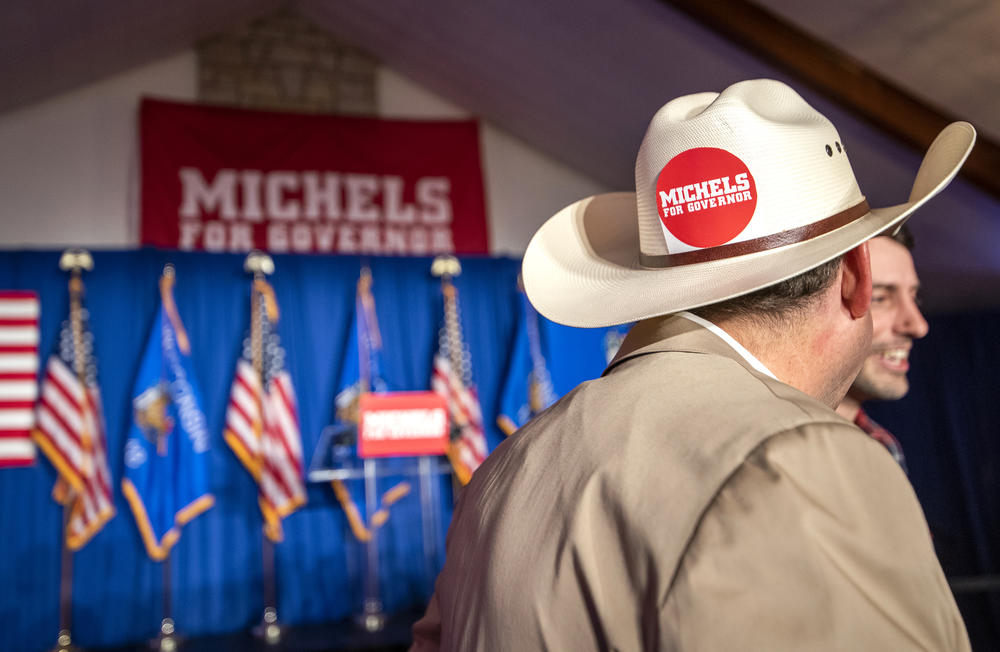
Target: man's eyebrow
<point>892,287</point>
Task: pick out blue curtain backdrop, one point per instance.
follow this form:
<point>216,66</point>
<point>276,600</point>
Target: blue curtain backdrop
<point>948,427</point>
<point>946,424</point>
<point>216,566</point>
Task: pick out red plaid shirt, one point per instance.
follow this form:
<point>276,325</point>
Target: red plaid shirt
<point>882,436</point>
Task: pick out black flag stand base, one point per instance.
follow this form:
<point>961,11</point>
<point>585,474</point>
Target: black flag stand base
<point>372,618</point>
<point>269,630</point>
<point>167,641</point>
<point>64,642</point>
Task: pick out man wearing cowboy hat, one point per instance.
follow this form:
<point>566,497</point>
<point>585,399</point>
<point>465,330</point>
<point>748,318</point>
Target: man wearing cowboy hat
<point>703,494</point>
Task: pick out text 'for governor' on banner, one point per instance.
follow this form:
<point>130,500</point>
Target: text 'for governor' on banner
<point>220,179</point>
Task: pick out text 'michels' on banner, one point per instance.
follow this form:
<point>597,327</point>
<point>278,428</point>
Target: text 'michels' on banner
<point>222,179</point>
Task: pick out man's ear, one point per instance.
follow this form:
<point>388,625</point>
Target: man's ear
<point>856,281</point>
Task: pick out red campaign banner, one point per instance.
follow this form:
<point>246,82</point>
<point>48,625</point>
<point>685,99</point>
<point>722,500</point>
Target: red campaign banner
<point>398,424</point>
<point>221,179</point>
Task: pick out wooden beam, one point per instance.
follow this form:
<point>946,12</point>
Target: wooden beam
<point>842,78</point>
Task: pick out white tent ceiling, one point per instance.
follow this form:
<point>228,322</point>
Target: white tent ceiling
<point>576,79</point>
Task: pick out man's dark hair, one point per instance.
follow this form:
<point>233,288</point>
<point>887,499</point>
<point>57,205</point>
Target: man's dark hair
<point>780,300</point>
<point>777,301</point>
<point>903,237</point>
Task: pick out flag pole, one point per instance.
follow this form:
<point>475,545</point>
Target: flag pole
<point>65,640</point>
<point>372,617</point>
<point>166,641</point>
<point>74,261</point>
<point>261,265</point>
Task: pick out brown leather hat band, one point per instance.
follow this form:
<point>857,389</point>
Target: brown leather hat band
<point>756,245</point>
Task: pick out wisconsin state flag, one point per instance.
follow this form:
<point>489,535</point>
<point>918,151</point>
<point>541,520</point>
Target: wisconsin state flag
<point>166,454</point>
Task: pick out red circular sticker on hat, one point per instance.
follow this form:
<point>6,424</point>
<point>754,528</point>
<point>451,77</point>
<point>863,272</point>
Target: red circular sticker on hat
<point>705,196</point>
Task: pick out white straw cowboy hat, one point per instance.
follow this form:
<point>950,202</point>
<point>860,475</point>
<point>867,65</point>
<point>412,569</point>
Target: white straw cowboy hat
<point>735,191</point>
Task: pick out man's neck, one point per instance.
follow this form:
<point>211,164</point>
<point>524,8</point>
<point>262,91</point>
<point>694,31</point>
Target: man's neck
<point>849,408</point>
<point>782,355</point>
<point>802,352</point>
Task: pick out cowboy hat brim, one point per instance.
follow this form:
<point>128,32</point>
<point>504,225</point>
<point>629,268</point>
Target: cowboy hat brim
<point>582,266</point>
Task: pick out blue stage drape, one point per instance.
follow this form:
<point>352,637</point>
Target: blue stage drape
<point>946,426</point>
<point>949,427</point>
<point>216,565</point>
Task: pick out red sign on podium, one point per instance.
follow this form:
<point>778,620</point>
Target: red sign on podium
<point>400,424</point>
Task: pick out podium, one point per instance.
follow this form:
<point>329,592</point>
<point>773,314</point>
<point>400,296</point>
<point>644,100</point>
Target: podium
<point>335,458</point>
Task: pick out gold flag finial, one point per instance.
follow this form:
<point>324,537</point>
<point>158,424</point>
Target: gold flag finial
<point>257,262</point>
<point>260,265</point>
<point>446,267</point>
<point>76,260</point>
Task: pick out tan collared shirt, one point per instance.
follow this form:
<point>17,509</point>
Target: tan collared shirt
<point>689,501</point>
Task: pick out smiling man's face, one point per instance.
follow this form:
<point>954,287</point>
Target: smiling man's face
<point>896,322</point>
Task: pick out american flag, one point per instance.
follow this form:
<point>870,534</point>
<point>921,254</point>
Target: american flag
<point>452,379</point>
<point>262,422</point>
<point>70,431</point>
<point>18,376</point>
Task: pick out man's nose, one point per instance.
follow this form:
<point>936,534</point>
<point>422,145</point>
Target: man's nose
<point>910,320</point>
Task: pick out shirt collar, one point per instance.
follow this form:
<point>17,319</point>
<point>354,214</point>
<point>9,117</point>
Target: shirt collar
<point>728,339</point>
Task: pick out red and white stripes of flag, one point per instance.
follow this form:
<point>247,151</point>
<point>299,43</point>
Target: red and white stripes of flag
<point>262,422</point>
<point>19,312</point>
<point>452,379</point>
<point>69,419</point>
